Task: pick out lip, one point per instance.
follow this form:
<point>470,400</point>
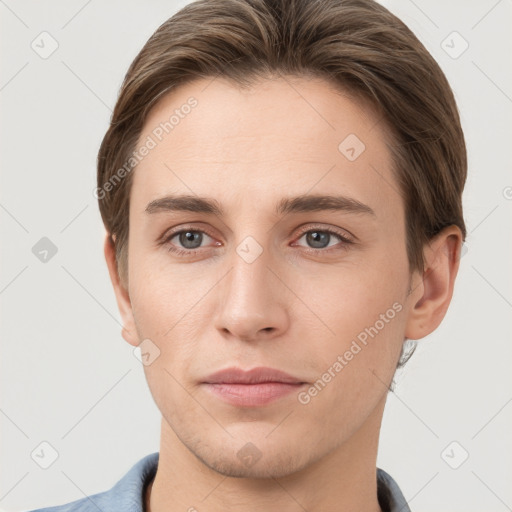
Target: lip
<point>258,375</point>
<point>256,387</point>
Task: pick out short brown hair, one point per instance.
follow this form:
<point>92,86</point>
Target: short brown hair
<point>357,45</point>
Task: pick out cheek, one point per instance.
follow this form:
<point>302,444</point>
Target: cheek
<point>160,294</point>
<point>354,367</point>
<point>171,309</point>
<point>362,313</point>
<point>355,298</point>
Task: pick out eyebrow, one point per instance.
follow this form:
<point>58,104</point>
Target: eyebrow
<point>287,205</point>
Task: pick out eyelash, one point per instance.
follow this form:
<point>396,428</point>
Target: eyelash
<point>192,252</point>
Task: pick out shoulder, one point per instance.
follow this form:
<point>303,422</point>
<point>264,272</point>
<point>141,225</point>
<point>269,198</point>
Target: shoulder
<point>126,494</point>
<point>389,494</point>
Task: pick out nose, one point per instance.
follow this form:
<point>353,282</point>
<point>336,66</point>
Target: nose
<point>252,300</point>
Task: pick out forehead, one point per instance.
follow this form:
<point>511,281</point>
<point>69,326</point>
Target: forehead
<point>289,134</point>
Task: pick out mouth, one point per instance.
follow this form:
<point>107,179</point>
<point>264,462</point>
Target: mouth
<point>256,387</point>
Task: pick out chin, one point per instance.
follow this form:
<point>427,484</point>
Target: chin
<point>248,463</point>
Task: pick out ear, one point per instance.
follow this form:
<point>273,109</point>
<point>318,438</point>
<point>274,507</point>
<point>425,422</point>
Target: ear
<point>432,290</point>
<point>129,331</point>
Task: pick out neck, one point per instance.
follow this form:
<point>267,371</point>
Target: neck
<point>344,479</point>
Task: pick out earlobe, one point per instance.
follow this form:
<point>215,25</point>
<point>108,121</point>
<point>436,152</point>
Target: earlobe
<point>432,291</point>
<point>128,331</point>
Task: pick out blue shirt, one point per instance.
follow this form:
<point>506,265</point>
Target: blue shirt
<point>127,495</point>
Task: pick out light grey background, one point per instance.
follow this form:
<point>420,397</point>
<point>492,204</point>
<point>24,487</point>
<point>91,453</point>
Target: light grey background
<point>67,376</point>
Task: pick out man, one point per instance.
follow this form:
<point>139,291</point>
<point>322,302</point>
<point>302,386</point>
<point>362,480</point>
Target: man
<point>281,186</point>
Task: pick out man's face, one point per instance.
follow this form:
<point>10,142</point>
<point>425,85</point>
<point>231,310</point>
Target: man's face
<point>320,295</point>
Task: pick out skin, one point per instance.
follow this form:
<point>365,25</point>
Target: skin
<point>296,307</point>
